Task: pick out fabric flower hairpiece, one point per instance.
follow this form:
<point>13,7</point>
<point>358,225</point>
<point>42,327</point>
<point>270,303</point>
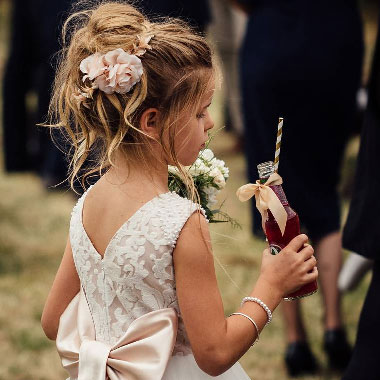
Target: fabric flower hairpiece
<point>116,71</point>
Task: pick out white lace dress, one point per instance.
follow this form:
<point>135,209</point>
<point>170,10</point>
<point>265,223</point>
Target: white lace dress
<point>136,277</point>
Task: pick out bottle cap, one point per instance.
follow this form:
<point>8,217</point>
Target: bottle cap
<point>265,169</point>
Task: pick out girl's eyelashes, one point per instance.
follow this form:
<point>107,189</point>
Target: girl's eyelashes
<point>202,115</point>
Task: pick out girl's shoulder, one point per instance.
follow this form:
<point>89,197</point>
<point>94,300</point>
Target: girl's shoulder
<point>173,211</point>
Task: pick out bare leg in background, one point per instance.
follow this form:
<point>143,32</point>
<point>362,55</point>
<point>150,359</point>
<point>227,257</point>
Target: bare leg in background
<point>328,252</point>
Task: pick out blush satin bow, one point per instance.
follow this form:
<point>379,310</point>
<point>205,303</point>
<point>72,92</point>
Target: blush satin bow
<point>265,199</point>
<point>141,353</point>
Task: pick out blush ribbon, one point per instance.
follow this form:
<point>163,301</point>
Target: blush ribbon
<point>142,353</point>
<point>266,199</point>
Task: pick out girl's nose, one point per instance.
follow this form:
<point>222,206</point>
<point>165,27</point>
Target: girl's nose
<point>209,123</point>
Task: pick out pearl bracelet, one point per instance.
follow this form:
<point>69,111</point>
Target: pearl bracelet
<point>254,324</point>
<point>261,303</point>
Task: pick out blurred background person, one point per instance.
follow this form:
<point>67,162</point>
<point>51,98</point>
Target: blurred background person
<point>302,60</point>
<point>227,32</point>
<point>353,271</point>
<point>361,232</point>
<point>195,12</point>
<point>29,70</point>
<point>225,25</point>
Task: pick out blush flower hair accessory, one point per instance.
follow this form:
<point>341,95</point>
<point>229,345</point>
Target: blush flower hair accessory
<point>116,71</point>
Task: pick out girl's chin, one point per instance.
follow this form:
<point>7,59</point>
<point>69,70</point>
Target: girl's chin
<point>186,161</point>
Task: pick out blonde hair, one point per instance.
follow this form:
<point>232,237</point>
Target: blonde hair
<point>176,73</point>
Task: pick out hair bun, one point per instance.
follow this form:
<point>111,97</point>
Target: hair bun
<point>99,101</point>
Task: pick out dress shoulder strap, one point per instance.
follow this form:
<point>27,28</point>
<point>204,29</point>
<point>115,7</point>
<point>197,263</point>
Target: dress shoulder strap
<point>76,219</point>
<point>173,213</point>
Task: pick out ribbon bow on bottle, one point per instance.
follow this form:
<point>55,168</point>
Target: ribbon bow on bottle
<point>142,353</point>
<point>266,199</point>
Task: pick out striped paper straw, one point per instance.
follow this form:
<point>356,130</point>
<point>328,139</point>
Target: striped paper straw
<point>278,144</point>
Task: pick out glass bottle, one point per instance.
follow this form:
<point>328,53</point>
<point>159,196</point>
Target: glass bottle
<point>276,240</point>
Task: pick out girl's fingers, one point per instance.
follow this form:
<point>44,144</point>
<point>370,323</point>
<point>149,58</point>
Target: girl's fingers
<point>310,263</point>
<point>297,243</point>
<point>312,276</point>
<point>307,252</point>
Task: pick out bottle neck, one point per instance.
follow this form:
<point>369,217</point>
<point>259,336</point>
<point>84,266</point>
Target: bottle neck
<point>279,191</point>
<point>266,169</point>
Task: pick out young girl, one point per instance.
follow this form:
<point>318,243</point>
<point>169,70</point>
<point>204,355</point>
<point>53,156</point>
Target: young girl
<point>136,294</point>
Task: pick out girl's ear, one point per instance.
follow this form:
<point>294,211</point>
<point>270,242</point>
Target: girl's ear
<point>148,122</point>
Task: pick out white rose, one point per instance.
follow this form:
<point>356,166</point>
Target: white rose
<point>211,194</point>
<point>214,172</point>
<point>220,181</point>
<point>207,155</point>
<point>218,177</point>
<point>221,165</point>
<point>198,168</point>
<point>225,171</point>
<point>216,163</point>
<point>211,190</point>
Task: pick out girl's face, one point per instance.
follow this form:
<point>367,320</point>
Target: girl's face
<point>193,133</point>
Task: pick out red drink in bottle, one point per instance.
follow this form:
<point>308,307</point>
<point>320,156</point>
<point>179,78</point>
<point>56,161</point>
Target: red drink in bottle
<point>276,240</point>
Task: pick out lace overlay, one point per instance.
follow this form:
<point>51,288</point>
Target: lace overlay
<point>136,275</point>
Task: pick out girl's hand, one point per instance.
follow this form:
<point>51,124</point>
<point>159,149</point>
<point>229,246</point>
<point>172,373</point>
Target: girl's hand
<point>289,270</point>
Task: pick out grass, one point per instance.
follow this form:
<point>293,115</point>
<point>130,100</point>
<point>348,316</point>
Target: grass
<point>33,231</point>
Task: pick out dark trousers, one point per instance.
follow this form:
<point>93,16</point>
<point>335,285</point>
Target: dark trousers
<point>364,362</point>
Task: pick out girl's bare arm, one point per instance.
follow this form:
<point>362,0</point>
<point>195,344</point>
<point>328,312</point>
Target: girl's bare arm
<point>65,286</point>
<point>218,342</point>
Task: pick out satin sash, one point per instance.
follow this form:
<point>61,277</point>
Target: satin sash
<point>142,353</point>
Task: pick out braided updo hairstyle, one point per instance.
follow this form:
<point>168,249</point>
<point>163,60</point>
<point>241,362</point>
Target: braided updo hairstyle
<point>177,71</point>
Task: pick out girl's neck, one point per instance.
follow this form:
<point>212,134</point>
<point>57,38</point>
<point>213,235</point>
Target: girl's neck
<point>154,181</point>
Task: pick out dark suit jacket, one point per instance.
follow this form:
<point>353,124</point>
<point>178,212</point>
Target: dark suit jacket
<point>363,223</point>
<point>35,31</point>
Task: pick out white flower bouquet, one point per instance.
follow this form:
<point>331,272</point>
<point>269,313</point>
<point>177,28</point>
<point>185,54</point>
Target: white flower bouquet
<point>209,175</point>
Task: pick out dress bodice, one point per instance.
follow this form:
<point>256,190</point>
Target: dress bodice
<point>136,274</point>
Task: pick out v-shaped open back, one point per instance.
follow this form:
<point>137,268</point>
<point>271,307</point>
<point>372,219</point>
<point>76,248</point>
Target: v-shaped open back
<point>135,276</point>
<point>118,231</point>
